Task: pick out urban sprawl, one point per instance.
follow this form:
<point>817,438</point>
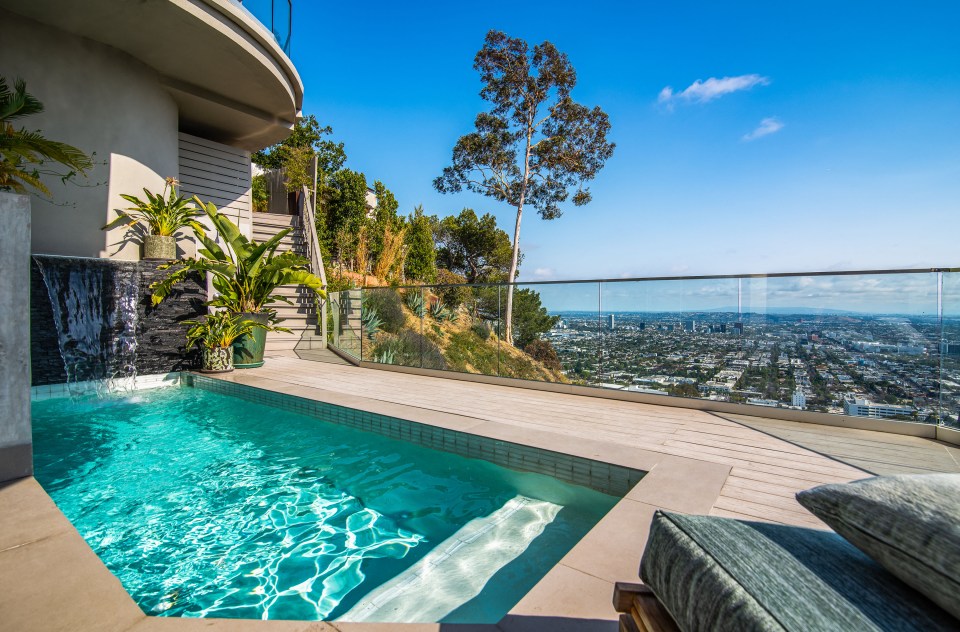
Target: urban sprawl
<point>882,366</point>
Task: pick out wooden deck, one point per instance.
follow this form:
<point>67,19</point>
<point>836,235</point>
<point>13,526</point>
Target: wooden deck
<point>771,460</point>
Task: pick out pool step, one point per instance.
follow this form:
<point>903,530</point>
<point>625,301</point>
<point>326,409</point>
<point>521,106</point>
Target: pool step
<point>456,571</point>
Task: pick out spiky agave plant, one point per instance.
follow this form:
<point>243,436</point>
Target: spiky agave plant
<point>24,152</point>
<point>245,273</point>
<point>414,301</point>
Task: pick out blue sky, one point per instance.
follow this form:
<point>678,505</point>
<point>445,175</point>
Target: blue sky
<point>859,168</point>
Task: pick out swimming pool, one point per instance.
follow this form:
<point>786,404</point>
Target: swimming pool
<point>208,505</point>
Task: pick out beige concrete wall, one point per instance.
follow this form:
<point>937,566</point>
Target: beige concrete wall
<point>100,100</point>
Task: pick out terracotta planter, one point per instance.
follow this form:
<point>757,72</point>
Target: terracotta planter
<point>217,360</point>
<point>248,350</point>
<point>159,247</point>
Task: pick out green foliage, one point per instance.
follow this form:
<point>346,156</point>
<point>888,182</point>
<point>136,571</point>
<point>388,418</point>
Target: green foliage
<point>530,317</point>
<point>344,213</point>
<point>370,320</point>
<point>473,247</point>
<point>410,348</point>
<point>482,329</point>
<point>308,134</point>
<point>386,303</point>
<point>259,195</point>
<point>163,214</point>
<point>415,302</point>
<point>218,330</point>
<point>421,262</point>
<point>24,153</point>
<point>244,273</point>
<point>450,289</point>
<point>543,352</point>
<point>298,170</point>
<point>535,145</point>
<point>440,312</point>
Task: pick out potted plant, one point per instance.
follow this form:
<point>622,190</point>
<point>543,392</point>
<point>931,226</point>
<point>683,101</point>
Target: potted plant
<point>163,215</point>
<point>245,274</point>
<point>215,335</point>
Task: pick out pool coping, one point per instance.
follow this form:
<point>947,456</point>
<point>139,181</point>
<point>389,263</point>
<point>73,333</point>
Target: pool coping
<point>574,594</point>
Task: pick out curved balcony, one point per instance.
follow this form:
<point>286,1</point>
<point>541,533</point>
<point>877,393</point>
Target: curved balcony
<point>228,73</point>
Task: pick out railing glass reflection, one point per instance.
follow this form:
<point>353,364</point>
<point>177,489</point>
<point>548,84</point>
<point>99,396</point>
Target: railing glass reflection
<point>883,345</point>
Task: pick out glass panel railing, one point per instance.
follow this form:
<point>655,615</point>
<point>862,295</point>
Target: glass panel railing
<point>392,323</point>
<point>276,15</point>
<point>463,322</point>
<point>950,350</point>
<point>671,337</point>
<point>344,322</point>
<point>860,344</point>
<point>557,335</point>
<point>878,345</point>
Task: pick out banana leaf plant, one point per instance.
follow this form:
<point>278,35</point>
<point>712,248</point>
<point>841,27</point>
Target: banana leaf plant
<point>245,273</point>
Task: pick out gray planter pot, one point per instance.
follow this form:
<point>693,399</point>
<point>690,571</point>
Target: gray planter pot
<point>219,360</point>
<point>159,247</point>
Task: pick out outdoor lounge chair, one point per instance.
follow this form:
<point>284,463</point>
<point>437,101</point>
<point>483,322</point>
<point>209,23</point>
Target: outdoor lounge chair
<point>708,573</point>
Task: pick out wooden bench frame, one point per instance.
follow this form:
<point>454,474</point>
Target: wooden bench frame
<point>641,610</point>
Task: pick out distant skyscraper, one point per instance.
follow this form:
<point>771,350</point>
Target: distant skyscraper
<point>799,399</point>
<point>689,325</point>
<point>738,329</point>
<point>643,326</point>
<point>611,321</point>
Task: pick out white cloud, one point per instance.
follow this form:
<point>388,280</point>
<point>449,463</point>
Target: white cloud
<point>544,274</point>
<point>713,88</point>
<point>767,126</point>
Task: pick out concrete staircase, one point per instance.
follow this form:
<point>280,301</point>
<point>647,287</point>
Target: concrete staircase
<point>301,317</point>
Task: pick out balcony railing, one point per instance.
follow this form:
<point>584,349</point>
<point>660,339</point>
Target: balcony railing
<point>879,344</point>
<point>276,15</point>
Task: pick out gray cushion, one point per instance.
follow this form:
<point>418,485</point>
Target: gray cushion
<point>909,524</point>
<point>720,574</point>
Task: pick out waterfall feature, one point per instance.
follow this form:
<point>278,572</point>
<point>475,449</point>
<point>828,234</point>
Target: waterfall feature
<point>94,304</point>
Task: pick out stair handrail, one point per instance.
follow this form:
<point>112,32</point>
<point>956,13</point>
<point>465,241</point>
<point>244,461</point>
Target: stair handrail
<point>308,226</point>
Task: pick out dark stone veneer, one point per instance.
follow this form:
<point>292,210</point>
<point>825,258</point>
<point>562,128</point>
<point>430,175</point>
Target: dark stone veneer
<point>161,335</point>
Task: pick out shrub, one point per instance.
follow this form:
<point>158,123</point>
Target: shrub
<point>543,352</point>
<point>455,296</point>
<point>407,348</point>
<point>481,328</point>
<point>386,303</point>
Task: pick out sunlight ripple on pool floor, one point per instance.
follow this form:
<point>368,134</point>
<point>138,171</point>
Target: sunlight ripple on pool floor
<point>206,505</point>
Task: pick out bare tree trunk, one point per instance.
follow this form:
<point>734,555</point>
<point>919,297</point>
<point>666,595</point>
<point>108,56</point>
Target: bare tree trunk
<point>508,329</point>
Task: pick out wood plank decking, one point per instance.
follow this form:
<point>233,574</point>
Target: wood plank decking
<point>771,460</point>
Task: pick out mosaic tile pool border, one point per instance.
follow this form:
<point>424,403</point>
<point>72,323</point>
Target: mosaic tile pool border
<point>608,478</point>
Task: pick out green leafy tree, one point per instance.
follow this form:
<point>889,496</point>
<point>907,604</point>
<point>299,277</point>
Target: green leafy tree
<point>530,318</point>
<point>535,145</point>
<point>344,213</point>
<point>298,172</point>
<point>474,247</point>
<point>421,262</point>
<point>259,195</point>
<point>24,153</point>
<point>308,133</point>
<point>385,219</point>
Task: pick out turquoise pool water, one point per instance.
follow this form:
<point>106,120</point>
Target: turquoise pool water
<point>206,505</point>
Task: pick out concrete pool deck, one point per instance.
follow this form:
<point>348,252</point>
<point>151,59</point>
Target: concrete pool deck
<point>697,462</point>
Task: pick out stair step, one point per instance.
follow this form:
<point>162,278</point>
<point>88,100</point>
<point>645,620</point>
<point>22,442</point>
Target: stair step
<point>275,219</point>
